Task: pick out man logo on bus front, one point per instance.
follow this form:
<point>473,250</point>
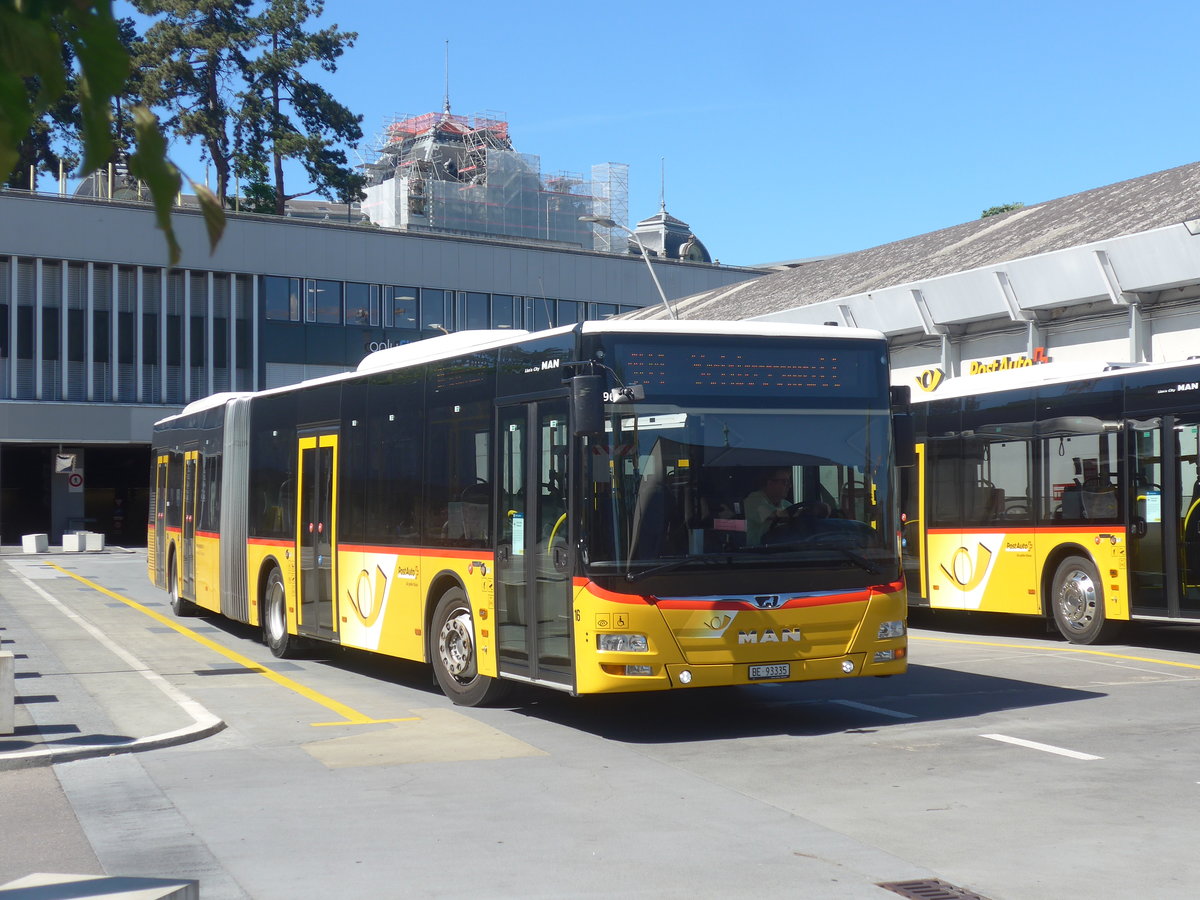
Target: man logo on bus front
<point>768,601</point>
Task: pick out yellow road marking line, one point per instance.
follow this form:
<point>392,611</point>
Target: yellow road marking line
<point>1145,659</point>
<point>352,716</point>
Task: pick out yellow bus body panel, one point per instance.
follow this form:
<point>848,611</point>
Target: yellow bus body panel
<point>383,593</point>
<point>1003,571</point>
<point>208,572</point>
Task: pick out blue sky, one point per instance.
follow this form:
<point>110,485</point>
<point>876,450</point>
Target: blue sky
<point>799,129</point>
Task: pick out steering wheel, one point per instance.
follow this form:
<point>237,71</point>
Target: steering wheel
<point>807,508</point>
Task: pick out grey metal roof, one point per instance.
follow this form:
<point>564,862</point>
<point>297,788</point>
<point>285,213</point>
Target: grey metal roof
<point>1140,204</point>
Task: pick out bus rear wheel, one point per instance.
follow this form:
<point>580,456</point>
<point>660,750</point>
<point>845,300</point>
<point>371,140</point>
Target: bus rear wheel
<point>455,655</point>
<point>274,618</point>
<point>179,606</point>
<point>1077,599</point>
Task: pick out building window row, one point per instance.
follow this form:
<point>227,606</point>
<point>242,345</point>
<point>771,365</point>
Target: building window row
<point>99,332</point>
<point>102,332</point>
<point>409,308</point>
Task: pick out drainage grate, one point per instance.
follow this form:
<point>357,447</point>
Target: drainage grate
<point>930,889</point>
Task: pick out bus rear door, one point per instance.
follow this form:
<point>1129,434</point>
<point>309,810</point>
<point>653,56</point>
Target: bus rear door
<point>533,569</point>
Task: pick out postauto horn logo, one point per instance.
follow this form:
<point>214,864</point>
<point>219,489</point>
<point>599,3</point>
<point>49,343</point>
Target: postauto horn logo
<point>930,379</point>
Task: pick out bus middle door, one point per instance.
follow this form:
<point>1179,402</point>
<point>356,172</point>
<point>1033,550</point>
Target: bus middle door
<point>191,465</point>
<point>533,568</point>
<point>316,546</point>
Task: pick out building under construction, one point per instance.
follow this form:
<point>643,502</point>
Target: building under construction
<point>460,174</point>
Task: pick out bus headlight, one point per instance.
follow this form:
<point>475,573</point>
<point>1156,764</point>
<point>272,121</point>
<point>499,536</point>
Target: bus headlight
<point>891,630</point>
<point>623,643</point>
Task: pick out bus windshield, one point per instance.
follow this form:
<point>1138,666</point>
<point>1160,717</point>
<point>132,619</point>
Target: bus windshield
<point>675,486</point>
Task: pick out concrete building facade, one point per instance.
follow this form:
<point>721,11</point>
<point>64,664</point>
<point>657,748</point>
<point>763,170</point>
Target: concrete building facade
<point>99,338</point>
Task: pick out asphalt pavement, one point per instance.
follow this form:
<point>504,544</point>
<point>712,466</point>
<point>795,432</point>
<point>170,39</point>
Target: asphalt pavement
<point>80,695</point>
<point>1006,762</point>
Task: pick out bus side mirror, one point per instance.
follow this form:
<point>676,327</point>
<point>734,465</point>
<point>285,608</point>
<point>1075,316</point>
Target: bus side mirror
<point>904,438</point>
<point>587,404</point>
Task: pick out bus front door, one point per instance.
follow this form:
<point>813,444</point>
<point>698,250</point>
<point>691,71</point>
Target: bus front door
<point>1153,512</point>
<point>316,546</point>
<point>1188,434</point>
<point>533,568</point>
<point>191,465</point>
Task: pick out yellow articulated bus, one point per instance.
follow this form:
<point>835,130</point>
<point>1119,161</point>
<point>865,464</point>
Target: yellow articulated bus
<point>598,508</point>
<point>1065,492</point>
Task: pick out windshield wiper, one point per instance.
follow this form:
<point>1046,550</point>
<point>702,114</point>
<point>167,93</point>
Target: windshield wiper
<point>674,564</point>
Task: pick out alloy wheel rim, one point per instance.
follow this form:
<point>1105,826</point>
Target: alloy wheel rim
<point>1077,600</point>
<point>456,645</point>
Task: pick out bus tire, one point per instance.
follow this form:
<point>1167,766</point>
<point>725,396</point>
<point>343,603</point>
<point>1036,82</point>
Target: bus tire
<point>454,653</point>
<point>179,606</point>
<point>1077,601</point>
<point>274,618</point>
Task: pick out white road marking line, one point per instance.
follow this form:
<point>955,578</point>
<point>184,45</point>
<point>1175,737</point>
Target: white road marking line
<point>875,709</point>
<point>1034,745</point>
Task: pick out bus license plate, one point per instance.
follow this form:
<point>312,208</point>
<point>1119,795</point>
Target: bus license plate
<point>782,670</point>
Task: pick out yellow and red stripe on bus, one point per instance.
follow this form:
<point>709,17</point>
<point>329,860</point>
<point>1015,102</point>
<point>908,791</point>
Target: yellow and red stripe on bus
<point>716,640</point>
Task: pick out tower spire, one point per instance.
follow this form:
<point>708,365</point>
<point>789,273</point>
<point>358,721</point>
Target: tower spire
<point>446,99</point>
<point>662,184</point>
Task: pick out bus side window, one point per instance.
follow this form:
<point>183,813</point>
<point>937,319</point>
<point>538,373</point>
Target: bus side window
<point>457,490</point>
<point>944,471</point>
<point>1004,482</point>
<point>1079,478</point>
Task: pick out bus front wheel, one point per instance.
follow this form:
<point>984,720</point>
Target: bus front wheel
<point>455,653</point>
<point>274,618</point>
<point>1077,599</point>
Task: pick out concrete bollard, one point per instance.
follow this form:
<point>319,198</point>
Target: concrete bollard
<point>73,541</point>
<point>93,540</point>
<point>7,693</point>
<point>35,543</point>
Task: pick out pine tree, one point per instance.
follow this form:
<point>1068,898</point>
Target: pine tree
<point>192,65</point>
<point>285,115</point>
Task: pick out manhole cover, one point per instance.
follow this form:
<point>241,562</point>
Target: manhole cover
<point>930,889</point>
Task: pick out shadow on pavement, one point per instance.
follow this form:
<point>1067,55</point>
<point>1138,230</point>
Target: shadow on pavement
<point>798,709</point>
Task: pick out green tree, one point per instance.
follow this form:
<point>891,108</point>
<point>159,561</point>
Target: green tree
<point>997,210</point>
<point>56,50</point>
<point>192,63</point>
<point>286,115</point>
<point>51,139</point>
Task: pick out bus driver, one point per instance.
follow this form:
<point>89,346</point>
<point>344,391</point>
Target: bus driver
<point>765,506</point>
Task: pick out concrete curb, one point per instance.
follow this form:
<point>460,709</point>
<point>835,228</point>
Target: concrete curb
<point>49,756</point>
